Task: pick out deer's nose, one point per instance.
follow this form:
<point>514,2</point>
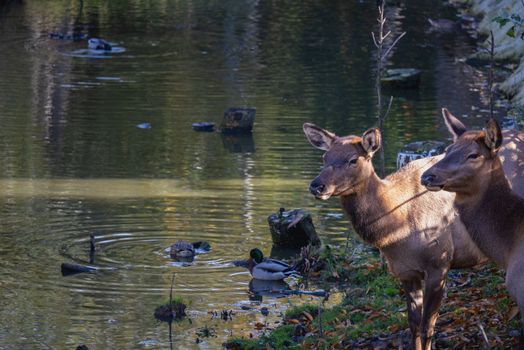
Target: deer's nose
<point>427,179</point>
<point>316,187</point>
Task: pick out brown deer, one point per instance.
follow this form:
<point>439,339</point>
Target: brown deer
<point>417,231</point>
<point>492,212</point>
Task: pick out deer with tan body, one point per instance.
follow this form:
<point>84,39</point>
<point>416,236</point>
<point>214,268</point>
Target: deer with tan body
<point>492,212</point>
<point>417,231</point>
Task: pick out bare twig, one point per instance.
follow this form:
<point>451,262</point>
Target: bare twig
<point>172,311</point>
<point>381,58</point>
<point>171,292</point>
<point>484,334</point>
<point>389,107</point>
<point>394,43</point>
<point>490,79</point>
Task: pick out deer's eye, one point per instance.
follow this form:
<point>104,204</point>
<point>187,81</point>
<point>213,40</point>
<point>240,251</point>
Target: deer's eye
<point>473,156</point>
<point>352,161</point>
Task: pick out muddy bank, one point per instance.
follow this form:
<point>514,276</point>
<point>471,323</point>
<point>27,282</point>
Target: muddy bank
<point>506,47</point>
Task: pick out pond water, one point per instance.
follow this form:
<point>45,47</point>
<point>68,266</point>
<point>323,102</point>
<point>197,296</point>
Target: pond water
<point>74,161</point>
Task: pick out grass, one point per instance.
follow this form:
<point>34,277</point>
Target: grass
<point>373,308</point>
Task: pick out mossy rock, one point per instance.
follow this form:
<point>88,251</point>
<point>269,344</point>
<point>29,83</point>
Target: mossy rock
<point>174,311</point>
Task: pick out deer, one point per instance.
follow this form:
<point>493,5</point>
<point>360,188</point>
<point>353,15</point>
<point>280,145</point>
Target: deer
<point>491,210</point>
<point>418,232</point>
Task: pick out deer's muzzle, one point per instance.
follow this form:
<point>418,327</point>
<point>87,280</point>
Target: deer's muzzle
<point>431,181</point>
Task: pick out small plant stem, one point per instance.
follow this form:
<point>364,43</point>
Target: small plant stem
<point>490,81</point>
<point>484,336</point>
<point>171,292</point>
<point>381,58</point>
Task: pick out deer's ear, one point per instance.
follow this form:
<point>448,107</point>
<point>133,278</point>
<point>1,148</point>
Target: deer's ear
<point>455,126</point>
<point>318,137</point>
<point>371,141</point>
<point>493,138</point>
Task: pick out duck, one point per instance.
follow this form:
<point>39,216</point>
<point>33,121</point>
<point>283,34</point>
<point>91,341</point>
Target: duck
<point>268,269</point>
<point>99,44</point>
<point>184,251</point>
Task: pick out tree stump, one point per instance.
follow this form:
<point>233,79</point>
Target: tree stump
<point>292,229</point>
<point>238,121</point>
<point>418,150</point>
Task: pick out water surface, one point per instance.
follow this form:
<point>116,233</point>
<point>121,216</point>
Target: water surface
<point>74,162</point>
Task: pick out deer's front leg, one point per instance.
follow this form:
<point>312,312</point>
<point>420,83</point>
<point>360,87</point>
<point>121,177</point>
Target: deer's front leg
<point>414,296</point>
<point>433,295</point>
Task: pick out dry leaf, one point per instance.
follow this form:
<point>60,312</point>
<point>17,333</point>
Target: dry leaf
<point>512,313</point>
<point>308,316</point>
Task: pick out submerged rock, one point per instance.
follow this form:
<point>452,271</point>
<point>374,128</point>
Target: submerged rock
<point>68,269</point>
<point>99,44</point>
<point>203,126</point>
<point>407,78</point>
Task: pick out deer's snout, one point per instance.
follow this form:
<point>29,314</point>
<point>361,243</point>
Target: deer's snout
<point>427,179</point>
<point>317,188</point>
<point>431,181</point>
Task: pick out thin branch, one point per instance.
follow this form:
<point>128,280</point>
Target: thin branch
<point>381,57</point>
<point>393,45</point>
<point>490,81</point>
<point>389,107</point>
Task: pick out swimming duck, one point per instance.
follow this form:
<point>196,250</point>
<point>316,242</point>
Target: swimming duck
<point>268,269</point>
<point>99,44</point>
<point>182,251</point>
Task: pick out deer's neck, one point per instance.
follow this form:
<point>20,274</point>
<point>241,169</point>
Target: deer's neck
<point>372,210</point>
<point>492,216</point>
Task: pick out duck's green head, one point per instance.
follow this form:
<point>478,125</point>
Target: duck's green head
<point>256,254</point>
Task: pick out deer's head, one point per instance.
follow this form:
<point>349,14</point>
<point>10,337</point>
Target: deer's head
<point>347,160</point>
<point>467,161</point>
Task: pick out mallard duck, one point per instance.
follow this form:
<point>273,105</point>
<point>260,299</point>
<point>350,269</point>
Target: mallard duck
<point>182,251</point>
<point>268,269</point>
<point>99,44</point>
<point>185,251</point>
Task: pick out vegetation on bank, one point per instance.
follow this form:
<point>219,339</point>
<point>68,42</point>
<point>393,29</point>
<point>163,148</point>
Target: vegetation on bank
<point>373,314</point>
<point>503,18</point>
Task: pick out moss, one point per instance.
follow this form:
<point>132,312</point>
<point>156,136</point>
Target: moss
<point>295,311</point>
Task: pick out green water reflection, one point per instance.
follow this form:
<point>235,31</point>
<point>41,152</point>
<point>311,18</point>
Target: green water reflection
<point>74,162</point>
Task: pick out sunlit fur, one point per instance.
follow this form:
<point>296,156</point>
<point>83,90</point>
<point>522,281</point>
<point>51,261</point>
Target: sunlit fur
<point>417,231</point>
<point>491,211</point>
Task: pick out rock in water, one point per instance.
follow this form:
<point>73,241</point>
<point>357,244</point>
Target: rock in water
<point>292,229</point>
<point>417,150</point>
<point>407,78</point>
<point>238,121</point>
